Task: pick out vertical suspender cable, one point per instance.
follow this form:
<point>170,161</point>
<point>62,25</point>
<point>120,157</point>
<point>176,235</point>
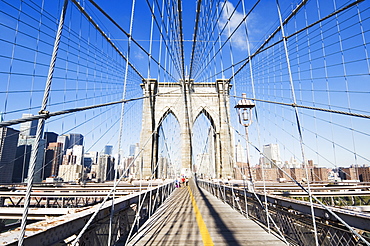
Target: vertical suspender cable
<point>160,47</point>
<point>121,120</point>
<point>151,40</point>
<point>40,125</point>
<point>257,120</point>
<point>11,62</point>
<point>345,76</point>
<point>179,8</point>
<point>195,37</point>
<point>186,85</point>
<point>219,12</point>
<point>297,118</point>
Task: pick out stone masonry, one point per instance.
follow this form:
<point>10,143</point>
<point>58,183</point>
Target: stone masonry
<point>186,101</point>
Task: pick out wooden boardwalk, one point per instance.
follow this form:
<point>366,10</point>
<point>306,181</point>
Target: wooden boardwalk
<point>192,216</point>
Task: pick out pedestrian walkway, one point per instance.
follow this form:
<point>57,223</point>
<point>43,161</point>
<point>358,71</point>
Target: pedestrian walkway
<point>192,216</point>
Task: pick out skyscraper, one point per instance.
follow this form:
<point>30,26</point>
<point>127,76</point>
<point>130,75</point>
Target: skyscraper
<point>50,137</point>
<point>23,156</point>
<point>272,154</point>
<point>108,149</point>
<point>105,168</point>
<point>53,159</point>
<point>8,147</point>
<point>74,139</point>
<point>28,128</point>
<point>70,140</point>
<point>203,165</point>
<point>72,164</point>
<point>90,158</point>
<point>240,153</point>
<point>64,140</point>
<point>132,150</point>
<point>78,151</point>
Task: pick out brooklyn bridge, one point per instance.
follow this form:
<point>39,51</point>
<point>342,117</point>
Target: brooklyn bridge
<point>164,122</point>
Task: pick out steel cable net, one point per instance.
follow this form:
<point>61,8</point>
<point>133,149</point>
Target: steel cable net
<point>88,71</point>
<point>326,74</point>
<point>324,67</point>
<point>169,148</point>
<point>204,148</point>
<point>309,83</point>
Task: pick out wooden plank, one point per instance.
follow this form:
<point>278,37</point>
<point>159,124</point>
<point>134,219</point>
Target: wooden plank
<point>175,223</point>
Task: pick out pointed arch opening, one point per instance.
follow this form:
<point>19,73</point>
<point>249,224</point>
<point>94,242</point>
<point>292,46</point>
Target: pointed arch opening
<point>204,146</point>
<point>168,152</point>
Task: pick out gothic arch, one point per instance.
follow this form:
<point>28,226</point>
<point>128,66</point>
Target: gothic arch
<point>208,116</point>
<point>188,100</point>
<point>167,111</point>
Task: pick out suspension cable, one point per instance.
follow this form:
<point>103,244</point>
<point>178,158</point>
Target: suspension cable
<point>199,3</point>
<point>295,105</point>
<point>263,48</point>
<point>106,37</point>
<point>129,36</point>
<point>40,126</point>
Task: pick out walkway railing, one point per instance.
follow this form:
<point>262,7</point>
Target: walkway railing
<point>291,219</point>
<point>126,220</point>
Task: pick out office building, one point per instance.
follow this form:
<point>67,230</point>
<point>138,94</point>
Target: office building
<point>53,159</point>
<point>271,154</point>
<point>23,156</point>
<point>132,150</point>
<point>64,140</point>
<point>78,151</point>
<point>90,158</point>
<point>28,128</point>
<point>70,140</point>
<point>74,139</point>
<point>70,173</point>
<point>50,137</point>
<point>203,166</point>
<point>108,149</point>
<point>240,153</point>
<point>72,164</point>
<point>8,147</point>
<point>104,170</point>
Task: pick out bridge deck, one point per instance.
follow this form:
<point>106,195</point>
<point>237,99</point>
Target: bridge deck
<point>177,223</point>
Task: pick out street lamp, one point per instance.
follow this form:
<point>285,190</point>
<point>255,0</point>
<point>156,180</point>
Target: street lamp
<point>244,108</point>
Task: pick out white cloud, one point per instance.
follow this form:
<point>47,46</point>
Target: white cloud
<point>139,55</point>
<point>232,20</point>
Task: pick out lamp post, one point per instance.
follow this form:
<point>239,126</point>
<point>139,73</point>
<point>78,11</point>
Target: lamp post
<point>244,108</point>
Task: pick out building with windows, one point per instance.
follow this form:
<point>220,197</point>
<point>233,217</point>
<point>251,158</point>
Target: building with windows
<point>72,164</point>
<point>74,139</point>
<point>271,153</point>
<point>70,140</point>
<point>355,172</point>
<point>104,170</point>
<point>108,149</point>
<point>53,159</point>
<point>90,158</point>
<point>8,147</point>
<point>28,128</point>
<point>50,137</point>
<point>240,154</point>
<point>22,160</point>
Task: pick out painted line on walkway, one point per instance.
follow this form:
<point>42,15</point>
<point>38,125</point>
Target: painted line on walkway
<point>206,237</point>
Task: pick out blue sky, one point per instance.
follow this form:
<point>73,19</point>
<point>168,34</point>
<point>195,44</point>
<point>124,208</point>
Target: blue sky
<point>329,63</point>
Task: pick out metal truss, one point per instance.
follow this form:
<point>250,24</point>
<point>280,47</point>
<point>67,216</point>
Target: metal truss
<point>63,230</point>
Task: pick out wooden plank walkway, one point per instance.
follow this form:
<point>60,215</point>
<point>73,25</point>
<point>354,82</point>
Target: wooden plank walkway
<point>177,223</point>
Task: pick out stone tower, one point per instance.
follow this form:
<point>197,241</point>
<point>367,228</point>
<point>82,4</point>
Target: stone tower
<point>186,101</point>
